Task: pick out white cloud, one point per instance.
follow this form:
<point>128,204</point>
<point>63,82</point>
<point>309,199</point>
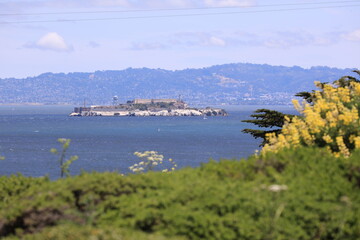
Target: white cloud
<point>229,3</point>
<point>154,4</point>
<point>182,39</point>
<point>216,41</point>
<point>289,39</point>
<point>51,41</point>
<point>180,3</point>
<point>19,6</point>
<point>194,39</point>
<point>322,41</point>
<point>112,3</point>
<point>284,39</point>
<point>352,36</point>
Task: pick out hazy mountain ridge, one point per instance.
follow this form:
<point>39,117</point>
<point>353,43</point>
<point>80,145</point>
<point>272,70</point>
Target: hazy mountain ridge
<point>229,83</point>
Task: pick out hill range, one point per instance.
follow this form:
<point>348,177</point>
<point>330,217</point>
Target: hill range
<point>238,83</point>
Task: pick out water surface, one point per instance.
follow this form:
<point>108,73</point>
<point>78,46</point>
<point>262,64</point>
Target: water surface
<point>27,133</point>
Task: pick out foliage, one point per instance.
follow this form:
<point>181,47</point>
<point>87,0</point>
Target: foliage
<point>270,118</point>
<point>64,164</point>
<point>164,105</point>
<point>140,106</point>
<point>331,122</point>
<point>266,118</point>
<point>86,232</point>
<point>11,186</point>
<point>147,106</point>
<point>300,193</point>
<point>151,159</point>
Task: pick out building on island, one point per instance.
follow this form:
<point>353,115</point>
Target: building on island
<point>148,107</point>
<point>174,102</point>
<point>152,101</point>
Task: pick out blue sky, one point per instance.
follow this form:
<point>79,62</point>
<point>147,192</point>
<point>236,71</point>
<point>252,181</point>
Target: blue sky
<point>315,37</point>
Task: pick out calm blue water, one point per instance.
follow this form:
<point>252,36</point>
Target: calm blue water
<point>27,133</point>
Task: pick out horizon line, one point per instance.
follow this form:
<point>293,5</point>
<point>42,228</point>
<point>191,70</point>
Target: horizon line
<point>180,69</point>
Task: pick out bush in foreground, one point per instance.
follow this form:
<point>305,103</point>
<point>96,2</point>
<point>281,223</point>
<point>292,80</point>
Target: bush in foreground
<point>302,193</point>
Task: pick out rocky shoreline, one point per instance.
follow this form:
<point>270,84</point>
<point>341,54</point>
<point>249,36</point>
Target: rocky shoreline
<point>148,113</point>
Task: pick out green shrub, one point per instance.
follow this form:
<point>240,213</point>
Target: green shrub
<point>78,232</point>
<point>12,186</point>
<point>302,193</point>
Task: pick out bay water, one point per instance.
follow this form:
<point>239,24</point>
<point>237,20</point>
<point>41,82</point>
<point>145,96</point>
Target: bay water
<point>27,133</point>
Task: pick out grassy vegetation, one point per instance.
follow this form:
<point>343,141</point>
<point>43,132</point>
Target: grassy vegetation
<point>304,193</point>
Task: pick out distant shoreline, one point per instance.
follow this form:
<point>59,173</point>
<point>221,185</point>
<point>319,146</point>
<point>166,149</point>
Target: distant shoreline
<point>35,104</point>
<point>197,106</point>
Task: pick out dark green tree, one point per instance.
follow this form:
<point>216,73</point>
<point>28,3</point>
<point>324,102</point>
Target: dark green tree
<point>266,118</point>
<point>273,120</point>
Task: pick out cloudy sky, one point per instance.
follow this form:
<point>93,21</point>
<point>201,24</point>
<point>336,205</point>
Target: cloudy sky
<point>38,36</point>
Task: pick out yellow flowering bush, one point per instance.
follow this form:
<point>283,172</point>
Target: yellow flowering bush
<point>331,121</point>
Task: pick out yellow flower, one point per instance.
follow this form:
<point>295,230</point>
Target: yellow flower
<point>332,118</point>
<point>297,106</point>
<point>343,149</point>
<point>327,139</point>
<point>356,88</point>
<point>355,140</point>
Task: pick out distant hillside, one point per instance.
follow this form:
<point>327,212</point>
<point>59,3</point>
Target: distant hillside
<point>229,84</point>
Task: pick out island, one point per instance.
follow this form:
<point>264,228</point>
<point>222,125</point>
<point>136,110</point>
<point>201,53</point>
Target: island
<point>147,107</point>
